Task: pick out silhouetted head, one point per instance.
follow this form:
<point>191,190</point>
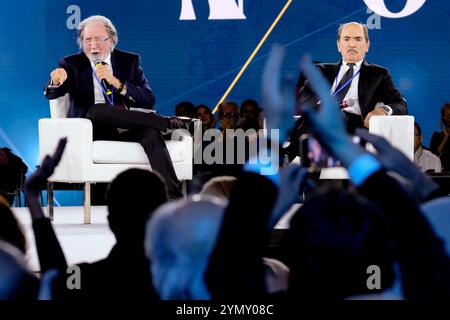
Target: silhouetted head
<point>249,113</point>
<point>179,240</point>
<point>10,229</point>
<point>333,239</point>
<point>445,114</point>
<point>185,109</point>
<point>219,187</point>
<point>16,281</point>
<point>418,138</point>
<point>132,197</point>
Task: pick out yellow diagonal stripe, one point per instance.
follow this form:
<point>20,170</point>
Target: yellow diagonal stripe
<point>225,95</point>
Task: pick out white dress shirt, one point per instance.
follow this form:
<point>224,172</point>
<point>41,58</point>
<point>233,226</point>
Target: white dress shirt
<point>352,93</point>
<point>426,160</point>
<point>98,93</point>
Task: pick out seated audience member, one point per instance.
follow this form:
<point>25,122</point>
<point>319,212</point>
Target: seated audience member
<point>16,281</point>
<point>124,274</point>
<point>179,240</point>
<point>424,159</point>
<point>249,113</point>
<point>219,187</point>
<point>439,143</point>
<point>228,115</point>
<point>206,117</point>
<point>10,229</point>
<point>185,109</point>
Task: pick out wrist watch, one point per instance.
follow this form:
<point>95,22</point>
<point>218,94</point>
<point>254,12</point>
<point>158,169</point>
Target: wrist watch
<point>387,110</point>
<point>122,85</point>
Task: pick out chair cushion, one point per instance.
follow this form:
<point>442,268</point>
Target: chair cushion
<point>132,152</point>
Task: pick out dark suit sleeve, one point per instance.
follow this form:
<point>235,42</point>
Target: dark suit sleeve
<point>139,94</point>
<point>304,93</point>
<point>56,92</point>
<point>391,96</point>
<point>424,265</point>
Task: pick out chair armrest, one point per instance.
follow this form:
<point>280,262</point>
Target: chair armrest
<point>398,130</point>
<point>59,106</point>
<point>77,157</point>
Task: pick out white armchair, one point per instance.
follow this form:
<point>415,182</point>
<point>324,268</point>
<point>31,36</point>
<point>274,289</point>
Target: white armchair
<point>87,161</point>
<point>398,130</point>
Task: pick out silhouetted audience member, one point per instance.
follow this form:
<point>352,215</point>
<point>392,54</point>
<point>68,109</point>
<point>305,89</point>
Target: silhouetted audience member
<point>236,269</point>
<point>10,229</point>
<point>219,187</point>
<point>423,158</point>
<point>439,143</point>
<point>185,109</point>
<point>179,240</point>
<point>124,274</point>
<point>16,281</point>
<point>333,239</point>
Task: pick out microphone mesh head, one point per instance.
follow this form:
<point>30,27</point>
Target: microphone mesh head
<point>99,61</point>
<point>350,102</point>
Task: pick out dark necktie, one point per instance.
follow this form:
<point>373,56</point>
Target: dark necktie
<point>347,76</point>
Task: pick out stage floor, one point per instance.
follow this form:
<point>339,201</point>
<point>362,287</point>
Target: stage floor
<point>86,242</point>
<point>80,242</point>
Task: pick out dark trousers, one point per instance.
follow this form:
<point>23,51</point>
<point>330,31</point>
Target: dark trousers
<point>144,128</point>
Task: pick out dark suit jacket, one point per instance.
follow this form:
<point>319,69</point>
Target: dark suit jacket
<point>79,84</point>
<point>375,85</point>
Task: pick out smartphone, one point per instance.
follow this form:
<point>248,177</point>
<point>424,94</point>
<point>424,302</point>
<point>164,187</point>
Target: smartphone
<point>313,156</point>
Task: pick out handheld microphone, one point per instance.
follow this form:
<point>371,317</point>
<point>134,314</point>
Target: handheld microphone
<point>354,120</point>
<point>105,83</point>
<point>350,102</point>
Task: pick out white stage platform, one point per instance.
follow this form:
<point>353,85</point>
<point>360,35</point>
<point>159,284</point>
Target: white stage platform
<point>80,242</point>
<point>86,242</point>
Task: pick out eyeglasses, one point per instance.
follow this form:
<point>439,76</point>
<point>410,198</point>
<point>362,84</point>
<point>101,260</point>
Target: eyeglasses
<point>96,39</point>
<point>230,114</point>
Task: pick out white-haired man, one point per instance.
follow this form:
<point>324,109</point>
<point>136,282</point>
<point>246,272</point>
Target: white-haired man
<point>103,83</point>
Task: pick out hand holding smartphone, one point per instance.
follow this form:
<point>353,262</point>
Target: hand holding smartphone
<point>314,157</point>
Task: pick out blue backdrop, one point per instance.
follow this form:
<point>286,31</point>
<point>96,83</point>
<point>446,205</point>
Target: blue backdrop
<point>197,59</point>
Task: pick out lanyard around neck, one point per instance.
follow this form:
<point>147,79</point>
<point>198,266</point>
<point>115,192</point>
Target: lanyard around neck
<point>111,101</point>
<point>337,90</point>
